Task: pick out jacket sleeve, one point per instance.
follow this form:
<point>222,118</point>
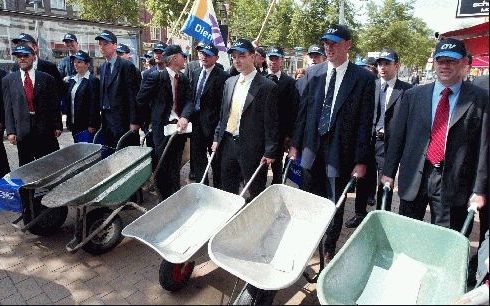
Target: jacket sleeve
<point>54,108</point>
<point>132,91</point>
<point>365,122</point>
<point>300,122</point>
<point>148,90</point>
<point>481,180</point>
<point>217,131</point>
<point>271,121</point>
<point>94,110</point>
<point>9,112</point>
<point>186,98</point>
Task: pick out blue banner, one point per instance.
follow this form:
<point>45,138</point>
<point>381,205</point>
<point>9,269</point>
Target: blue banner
<point>10,199</point>
<point>198,29</point>
<point>84,136</point>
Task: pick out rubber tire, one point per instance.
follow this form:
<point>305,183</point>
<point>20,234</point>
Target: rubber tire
<point>94,220</point>
<point>251,295</point>
<point>168,279</point>
<point>50,223</point>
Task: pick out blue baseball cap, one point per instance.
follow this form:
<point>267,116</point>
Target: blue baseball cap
<point>174,49</point>
<point>22,49</point>
<point>82,56</point>
<point>389,55</point>
<point>208,49</point>
<point>23,37</point>
<point>242,46</point>
<point>160,46</point>
<point>122,48</point>
<point>107,36</point>
<point>450,47</point>
<point>275,51</point>
<point>69,37</point>
<point>336,33</point>
<point>315,49</point>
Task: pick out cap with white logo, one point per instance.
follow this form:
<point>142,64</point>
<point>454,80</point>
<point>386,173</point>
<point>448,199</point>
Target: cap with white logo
<point>450,47</point>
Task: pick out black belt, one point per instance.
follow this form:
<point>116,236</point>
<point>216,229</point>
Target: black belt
<point>234,137</point>
<point>438,166</point>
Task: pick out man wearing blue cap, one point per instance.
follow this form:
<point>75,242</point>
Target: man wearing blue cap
<point>248,132</point>
<point>334,124</point>
<point>287,106</point>
<point>124,52</point>
<point>32,116</point>
<point>207,85</point>
<point>65,66</point>
<point>440,143</point>
<point>118,90</point>
<point>169,96</point>
<point>388,95</point>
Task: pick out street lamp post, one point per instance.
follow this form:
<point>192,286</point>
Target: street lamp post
<point>342,12</point>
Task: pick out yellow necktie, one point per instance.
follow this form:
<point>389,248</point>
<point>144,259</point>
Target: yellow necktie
<point>234,117</point>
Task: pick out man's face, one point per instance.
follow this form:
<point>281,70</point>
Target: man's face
<point>124,55</point>
<point>71,45</point>
<point>259,59</point>
<point>25,61</point>
<point>316,58</point>
<point>275,63</point>
<point>337,52</point>
<point>449,71</point>
<point>178,61</point>
<point>80,66</point>
<point>158,56</point>
<point>387,69</point>
<point>243,62</point>
<point>107,49</point>
<point>207,61</point>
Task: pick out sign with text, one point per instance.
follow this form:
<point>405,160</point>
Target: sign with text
<point>472,8</point>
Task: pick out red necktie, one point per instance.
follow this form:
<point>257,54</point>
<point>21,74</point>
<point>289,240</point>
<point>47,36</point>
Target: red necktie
<point>437,144</point>
<point>29,91</point>
<point>176,106</point>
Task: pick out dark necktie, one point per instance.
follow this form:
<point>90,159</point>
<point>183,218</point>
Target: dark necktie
<point>107,77</point>
<point>200,88</point>
<point>176,106</point>
<point>324,124</point>
<point>29,91</point>
<point>382,107</point>
<point>273,78</point>
<point>437,144</point>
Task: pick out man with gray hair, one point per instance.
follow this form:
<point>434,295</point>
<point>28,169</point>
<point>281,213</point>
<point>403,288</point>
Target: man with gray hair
<point>168,94</point>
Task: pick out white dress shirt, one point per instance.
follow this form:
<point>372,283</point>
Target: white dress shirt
<point>32,75</point>
<point>389,89</point>
<point>241,91</point>
<point>338,80</point>
<point>208,72</point>
<point>173,114</point>
<point>78,80</point>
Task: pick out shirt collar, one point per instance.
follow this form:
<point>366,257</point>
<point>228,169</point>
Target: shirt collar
<point>455,88</point>
<point>277,74</point>
<point>391,83</point>
<point>170,72</point>
<point>248,77</point>
<point>340,69</point>
<point>112,61</point>
<point>34,64</point>
<point>208,70</point>
<point>76,77</point>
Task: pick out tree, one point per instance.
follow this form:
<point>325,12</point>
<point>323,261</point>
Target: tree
<point>278,25</point>
<point>113,11</point>
<point>393,25</point>
<point>245,18</point>
<point>166,12</point>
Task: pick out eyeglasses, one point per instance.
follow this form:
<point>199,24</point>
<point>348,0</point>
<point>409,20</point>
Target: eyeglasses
<point>22,55</point>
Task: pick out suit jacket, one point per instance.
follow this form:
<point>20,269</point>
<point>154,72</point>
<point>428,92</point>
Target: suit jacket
<point>211,98</point>
<point>259,127</point>
<point>3,73</point>
<point>86,105</point>
<point>482,81</point>
<point>17,120</point>
<point>465,163</point>
<point>51,69</point>
<point>351,121</point>
<point>156,94</point>
<point>391,108</point>
<point>315,70</point>
<point>122,89</point>
<point>287,106</point>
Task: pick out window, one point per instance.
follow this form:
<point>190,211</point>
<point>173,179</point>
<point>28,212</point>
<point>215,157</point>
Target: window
<point>155,33</point>
<point>58,4</point>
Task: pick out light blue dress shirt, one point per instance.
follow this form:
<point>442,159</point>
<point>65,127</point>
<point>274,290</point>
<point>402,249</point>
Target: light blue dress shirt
<point>453,98</point>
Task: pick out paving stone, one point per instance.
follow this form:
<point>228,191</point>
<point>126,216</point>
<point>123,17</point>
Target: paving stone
<point>3,274</point>
<point>93,301</point>
<point>15,299</point>
<point>56,292</point>
<point>7,288</point>
<point>114,298</point>
<point>66,301</point>
<point>41,299</point>
<point>28,288</point>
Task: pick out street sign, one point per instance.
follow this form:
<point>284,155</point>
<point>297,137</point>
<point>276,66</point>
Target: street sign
<point>472,8</point>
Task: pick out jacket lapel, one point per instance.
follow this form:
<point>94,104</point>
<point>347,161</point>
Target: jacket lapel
<point>462,104</point>
<point>20,86</point>
<point>377,87</point>
<point>37,86</point>
<point>115,70</point>
<point>80,89</point>
<point>210,80</point>
<point>394,94</point>
<point>345,88</point>
<point>426,107</point>
<point>252,92</point>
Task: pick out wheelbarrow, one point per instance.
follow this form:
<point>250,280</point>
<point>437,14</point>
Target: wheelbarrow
<point>275,256</point>
<point>180,226</point>
<point>429,263</point>
<point>22,189</point>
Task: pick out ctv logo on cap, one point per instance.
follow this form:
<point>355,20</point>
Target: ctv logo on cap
<point>384,54</point>
<point>448,46</point>
<point>331,31</point>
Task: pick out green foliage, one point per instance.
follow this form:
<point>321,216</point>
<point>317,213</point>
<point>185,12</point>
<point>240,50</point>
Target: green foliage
<point>166,12</point>
<point>393,25</point>
<point>114,11</point>
<point>246,18</point>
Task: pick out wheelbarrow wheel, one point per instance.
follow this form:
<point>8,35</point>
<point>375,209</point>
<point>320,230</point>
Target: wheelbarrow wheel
<point>109,237</point>
<point>251,295</point>
<point>49,224</point>
<point>174,277</point>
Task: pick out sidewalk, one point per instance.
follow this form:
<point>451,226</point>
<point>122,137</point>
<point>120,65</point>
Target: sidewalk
<point>38,270</point>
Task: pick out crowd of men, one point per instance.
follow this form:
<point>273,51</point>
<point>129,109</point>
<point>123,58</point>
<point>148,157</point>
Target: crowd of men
<point>336,120</point>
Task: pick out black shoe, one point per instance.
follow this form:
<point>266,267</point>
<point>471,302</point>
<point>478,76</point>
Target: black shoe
<point>354,222</point>
<point>371,201</point>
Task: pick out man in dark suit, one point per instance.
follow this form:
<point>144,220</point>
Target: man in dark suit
<point>169,95</point>
<point>124,52</point>
<point>333,127</point>
<point>4,163</point>
<point>388,94</point>
<point>118,91</point>
<point>158,54</point>
<point>287,107</point>
<point>248,133</point>
<point>207,84</point>
<point>66,66</point>
<point>317,62</point>
<point>83,95</point>
<point>32,116</point>
<point>440,141</point>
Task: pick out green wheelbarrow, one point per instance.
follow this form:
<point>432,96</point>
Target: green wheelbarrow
<point>393,259</point>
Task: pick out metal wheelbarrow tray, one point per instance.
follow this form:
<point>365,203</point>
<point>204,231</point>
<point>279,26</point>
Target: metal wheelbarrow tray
<point>39,176</point>
<point>378,240</point>
<point>106,185</point>
<point>284,226</point>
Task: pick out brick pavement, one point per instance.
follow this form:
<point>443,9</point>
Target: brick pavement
<point>38,270</point>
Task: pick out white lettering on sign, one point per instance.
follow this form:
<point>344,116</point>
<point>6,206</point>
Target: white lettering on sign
<point>447,46</point>
<point>6,195</point>
<point>483,3</point>
<point>200,29</point>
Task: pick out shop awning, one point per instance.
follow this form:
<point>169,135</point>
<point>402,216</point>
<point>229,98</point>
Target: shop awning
<point>475,38</point>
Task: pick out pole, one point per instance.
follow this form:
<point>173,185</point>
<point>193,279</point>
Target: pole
<point>178,21</point>
<point>269,12</point>
<point>342,12</point>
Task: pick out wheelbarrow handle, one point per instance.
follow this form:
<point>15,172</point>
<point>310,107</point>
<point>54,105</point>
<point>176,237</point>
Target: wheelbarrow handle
<point>469,219</point>
<point>145,137</point>
<point>123,138</point>
<point>386,192</point>
<point>97,135</point>
<point>207,168</point>
<point>351,182</point>
<point>286,170</point>
<point>252,179</point>
<point>160,160</point>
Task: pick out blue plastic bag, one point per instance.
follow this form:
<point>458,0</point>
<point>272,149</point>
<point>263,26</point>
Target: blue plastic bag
<point>84,136</point>
<point>295,172</point>
<point>10,199</point>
